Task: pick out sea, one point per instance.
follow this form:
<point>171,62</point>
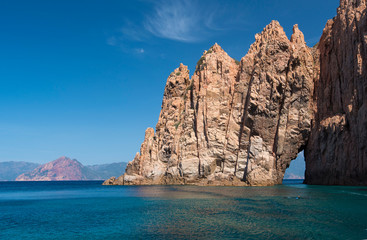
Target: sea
<point>88,210</point>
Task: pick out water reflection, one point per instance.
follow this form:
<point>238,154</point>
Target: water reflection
<point>187,192</point>
<point>72,210</point>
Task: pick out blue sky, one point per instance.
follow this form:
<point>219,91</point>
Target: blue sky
<point>86,78</point>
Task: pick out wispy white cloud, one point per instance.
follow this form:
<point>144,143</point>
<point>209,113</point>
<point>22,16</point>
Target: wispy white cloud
<point>181,20</point>
<point>128,39</point>
<point>124,46</point>
<point>112,41</point>
<point>190,20</point>
<point>133,32</point>
<point>140,50</point>
<point>176,20</point>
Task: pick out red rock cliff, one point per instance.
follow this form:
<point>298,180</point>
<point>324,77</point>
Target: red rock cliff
<point>232,123</point>
<point>337,149</point>
<point>241,123</point>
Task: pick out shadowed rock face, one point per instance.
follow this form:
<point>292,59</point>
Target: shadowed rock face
<point>275,84</point>
<point>232,123</point>
<point>336,152</point>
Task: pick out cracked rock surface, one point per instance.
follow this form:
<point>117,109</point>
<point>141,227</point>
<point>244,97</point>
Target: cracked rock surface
<point>232,123</point>
<point>242,123</point>
<point>337,151</point>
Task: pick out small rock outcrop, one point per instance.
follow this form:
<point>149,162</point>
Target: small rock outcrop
<point>114,181</point>
<point>232,123</point>
<point>337,150</point>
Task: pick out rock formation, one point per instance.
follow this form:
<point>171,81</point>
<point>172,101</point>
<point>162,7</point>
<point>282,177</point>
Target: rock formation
<point>242,123</point>
<point>232,123</point>
<point>336,152</point>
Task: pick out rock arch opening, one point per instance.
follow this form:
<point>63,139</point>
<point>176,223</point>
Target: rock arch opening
<point>296,169</point>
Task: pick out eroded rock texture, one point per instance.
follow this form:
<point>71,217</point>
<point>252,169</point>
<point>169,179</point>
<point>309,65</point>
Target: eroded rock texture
<point>336,152</point>
<point>232,123</point>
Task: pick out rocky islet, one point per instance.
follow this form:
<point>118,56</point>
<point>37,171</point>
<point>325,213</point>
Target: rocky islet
<point>241,123</point>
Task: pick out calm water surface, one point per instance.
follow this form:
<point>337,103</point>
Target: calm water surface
<point>87,210</point>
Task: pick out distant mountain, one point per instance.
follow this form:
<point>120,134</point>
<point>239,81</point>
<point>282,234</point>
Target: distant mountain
<point>105,171</point>
<point>293,176</point>
<point>65,168</point>
<point>62,168</point>
<point>9,171</point>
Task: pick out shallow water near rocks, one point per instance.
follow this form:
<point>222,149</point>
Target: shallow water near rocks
<point>88,210</point>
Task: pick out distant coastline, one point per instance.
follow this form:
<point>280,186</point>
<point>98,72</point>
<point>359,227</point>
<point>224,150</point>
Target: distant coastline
<point>61,169</point>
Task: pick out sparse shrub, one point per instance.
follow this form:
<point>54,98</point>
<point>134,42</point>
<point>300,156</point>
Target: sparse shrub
<point>201,60</point>
<point>177,124</point>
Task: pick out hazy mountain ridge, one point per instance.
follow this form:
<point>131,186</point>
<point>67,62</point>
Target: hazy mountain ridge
<point>105,171</point>
<point>60,169</point>
<point>9,171</point>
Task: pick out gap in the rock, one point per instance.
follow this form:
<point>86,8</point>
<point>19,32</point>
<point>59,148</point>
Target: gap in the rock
<point>296,169</point>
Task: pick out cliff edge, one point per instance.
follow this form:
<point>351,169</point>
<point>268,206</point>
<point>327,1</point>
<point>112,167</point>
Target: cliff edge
<point>242,123</point>
<point>232,123</point>
<point>337,150</point>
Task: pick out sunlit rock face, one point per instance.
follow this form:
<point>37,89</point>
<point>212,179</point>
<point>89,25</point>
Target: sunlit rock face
<point>336,152</point>
<point>241,123</point>
<point>232,123</point>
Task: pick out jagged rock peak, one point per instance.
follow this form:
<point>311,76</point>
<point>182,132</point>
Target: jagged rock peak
<point>149,133</point>
<point>273,24</point>
<point>181,68</point>
<point>216,48</point>
<point>297,36</point>
<point>344,4</point>
<point>179,76</point>
<point>212,58</point>
<point>272,31</point>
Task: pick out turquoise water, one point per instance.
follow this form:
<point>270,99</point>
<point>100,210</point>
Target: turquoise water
<point>87,210</point>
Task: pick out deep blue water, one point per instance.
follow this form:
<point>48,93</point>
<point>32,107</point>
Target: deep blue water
<point>87,210</point>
